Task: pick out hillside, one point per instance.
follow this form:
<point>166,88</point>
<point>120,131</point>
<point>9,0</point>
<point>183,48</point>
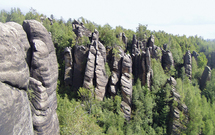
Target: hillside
<point>110,80</point>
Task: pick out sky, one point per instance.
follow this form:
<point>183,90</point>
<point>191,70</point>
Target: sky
<point>178,17</point>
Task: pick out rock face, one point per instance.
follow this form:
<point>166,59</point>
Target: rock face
<point>80,30</point>
<point>79,64</point>
<point>68,66</point>
<point>43,79</point>
<point>95,68</point>
<point>15,114</point>
<point>126,85</point>
<point>167,59</point>
<point>116,72</point>
<point>206,76</point>
<point>175,124</point>
<point>188,64</point>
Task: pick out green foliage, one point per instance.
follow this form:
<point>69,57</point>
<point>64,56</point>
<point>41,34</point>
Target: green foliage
<point>107,70</point>
<point>202,60</point>
<point>149,108</point>
<point>74,120</point>
<point>209,91</point>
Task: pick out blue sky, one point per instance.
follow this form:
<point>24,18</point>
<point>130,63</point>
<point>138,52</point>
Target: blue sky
<point>183,17</point>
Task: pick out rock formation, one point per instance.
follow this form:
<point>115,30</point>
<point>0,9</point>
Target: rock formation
<point>206,76</point>
<point>95,67</point>
<point>28,78</point>
<point>116,62</point>
<point>80,30</point>
<point>68,66</point>
<point>15,111</point>
<point>175,123</point>
<point>188,64</point>
<point>43,79</point>
<point>126,85</point>
<point>167,59</point>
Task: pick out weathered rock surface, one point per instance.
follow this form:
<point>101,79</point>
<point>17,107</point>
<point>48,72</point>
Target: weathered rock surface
<point>68,66</point>
<point>126,85</point>
<point>149,71</point>
<point>167,59</point>
<point>15,114</point>
<point>151,41</point>
<point>79,64</point>
<point>176,125</point>
<point>206,76</point>
<point>188,64</point>
<point>116,72</point>
<point>95,68</point>
<point>80,30</point>
<point>43,81</point>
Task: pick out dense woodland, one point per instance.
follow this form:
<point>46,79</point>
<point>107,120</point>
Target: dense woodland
<point>80,114</point>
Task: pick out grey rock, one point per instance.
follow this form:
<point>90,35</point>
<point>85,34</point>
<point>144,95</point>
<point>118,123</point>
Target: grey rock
<point>126,85</point>
<point>89,71</point>
<point>13,52</point>
<point>151,41</point>
<point>68,66</point>
<point>206,76</point>
<point>15,111</point>
<point>176,126</point>
<point>124,39</point>
<point>167,60</point>
<point>188,64</point>
<point>44,75</point>
<point>79,65</point>
<point>149,71</point>
<point>165,46</point>
<point>80,30</point>
<point>116,71</point>
<point>195,55</point>
<point>95,68</point>
<point>15,114</point>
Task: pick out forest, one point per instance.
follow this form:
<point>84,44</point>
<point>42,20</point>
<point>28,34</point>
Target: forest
<point>80,113</point>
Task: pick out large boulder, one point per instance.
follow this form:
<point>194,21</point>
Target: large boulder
<point>15,111</point>
<point>43,81</point>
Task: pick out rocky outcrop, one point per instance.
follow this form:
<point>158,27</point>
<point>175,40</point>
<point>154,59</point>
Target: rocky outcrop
<point>43,79</point>
<point>15,111</point>
<point>126,85</point>
<point>79,65</point>
<point>95,74</point>
<point>80,30</point>
<point>167,60</point>
<point>195,55</point>
<point>188,64</point>
<point>151,41</point>
<point>116,72</point>
<point>206,76</point>
<point>176,124</point>
<point>68,66</point>
<point>149,71</point>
